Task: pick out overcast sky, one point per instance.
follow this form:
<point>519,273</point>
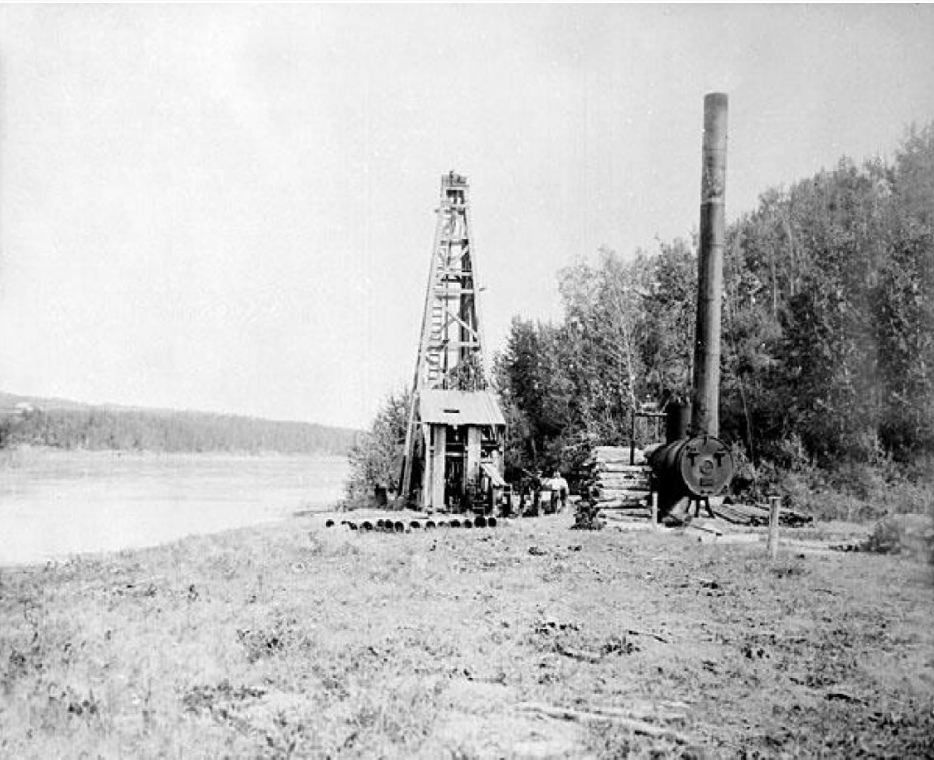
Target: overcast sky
<point>230,208</point>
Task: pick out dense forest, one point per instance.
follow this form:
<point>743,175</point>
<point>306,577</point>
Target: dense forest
<point>75,426</point>
<point>827,347</point>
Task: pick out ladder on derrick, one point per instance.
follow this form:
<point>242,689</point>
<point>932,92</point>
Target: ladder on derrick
<point>452,342</point>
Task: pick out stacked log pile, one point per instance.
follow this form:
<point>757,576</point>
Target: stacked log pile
<point>757,514</point>
<point>615,484</point>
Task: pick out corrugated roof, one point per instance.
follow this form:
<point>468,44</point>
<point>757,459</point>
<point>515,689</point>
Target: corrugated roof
<point>459,408</point>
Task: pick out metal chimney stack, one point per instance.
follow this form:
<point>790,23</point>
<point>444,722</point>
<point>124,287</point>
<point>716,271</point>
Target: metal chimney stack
<point>705,416</point>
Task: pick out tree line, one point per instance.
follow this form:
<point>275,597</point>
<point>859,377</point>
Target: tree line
<point>828,331</point>
<point>827,345</point>
<point>97,428</point>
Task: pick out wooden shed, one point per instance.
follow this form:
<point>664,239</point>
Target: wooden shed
<point>461,440</point>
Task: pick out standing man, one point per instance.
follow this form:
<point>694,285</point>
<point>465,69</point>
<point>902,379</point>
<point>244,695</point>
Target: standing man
<point>559,484</point>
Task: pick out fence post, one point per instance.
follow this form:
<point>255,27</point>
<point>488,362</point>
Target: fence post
<point>774,509</point>
<point>632,437</point>
<point>654,518</point>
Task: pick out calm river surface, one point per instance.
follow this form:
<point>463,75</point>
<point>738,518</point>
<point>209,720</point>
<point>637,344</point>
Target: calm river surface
<point>54,504</point>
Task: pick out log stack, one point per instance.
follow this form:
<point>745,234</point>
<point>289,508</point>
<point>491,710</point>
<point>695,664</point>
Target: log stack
<point>757,515</point>
<point>616,484</point>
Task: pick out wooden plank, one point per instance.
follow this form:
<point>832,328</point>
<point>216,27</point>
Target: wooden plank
<point>621,469</point>
<point>634,493</point>
<point>620,473</point>
<point>622,504</point>
<point>617,513</point>
<point>727,512</point>
<point>606,716</point>
<point>602,450</point>
<point>633,485</point>
<point>473,458</point>
<point>622,482</point>
<point>437,467</point>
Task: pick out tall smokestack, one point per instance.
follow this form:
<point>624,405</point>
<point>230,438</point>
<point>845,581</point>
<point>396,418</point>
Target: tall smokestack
<point>705,416</point>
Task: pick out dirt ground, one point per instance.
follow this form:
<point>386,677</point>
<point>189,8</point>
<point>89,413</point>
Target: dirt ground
<point>528,640</point>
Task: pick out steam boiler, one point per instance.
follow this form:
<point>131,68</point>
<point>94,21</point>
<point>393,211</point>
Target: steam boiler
<point>694,464</point>
<point>689,468</point>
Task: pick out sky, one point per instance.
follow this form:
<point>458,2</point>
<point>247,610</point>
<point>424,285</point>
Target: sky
<point>231,208</point>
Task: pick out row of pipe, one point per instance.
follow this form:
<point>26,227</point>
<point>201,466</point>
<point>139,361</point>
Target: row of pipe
<point>399,526</point>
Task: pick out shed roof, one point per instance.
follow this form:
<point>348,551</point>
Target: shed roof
<point>459,408</point>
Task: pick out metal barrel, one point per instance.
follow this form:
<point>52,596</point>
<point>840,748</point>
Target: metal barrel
<point>429,524</point>
<point>491,522</point>
<point>701,466</point>
<point>366,525</point>
<point>480,522</point>
<point>455,523</point>
<point>415,525</point>
<point>399,526</point>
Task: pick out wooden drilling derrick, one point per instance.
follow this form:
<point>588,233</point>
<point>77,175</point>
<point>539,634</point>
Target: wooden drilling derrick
<point>455,432</point>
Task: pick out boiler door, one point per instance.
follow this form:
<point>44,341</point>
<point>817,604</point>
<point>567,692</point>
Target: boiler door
<point>706,465</point>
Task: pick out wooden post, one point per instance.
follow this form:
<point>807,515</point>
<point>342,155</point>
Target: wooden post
<point>632,437</point>
<point>437,467</point>
<point>654,510</point>
<point>472,464</point>
<point>774,509</point>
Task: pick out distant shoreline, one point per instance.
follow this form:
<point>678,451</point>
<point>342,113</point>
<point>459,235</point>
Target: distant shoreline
<point>73,426</point>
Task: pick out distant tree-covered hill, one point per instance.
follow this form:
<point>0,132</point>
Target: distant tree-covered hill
<point>71,425</point>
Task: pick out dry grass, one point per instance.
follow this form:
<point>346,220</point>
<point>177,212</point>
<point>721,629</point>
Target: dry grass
<point>296,640</point>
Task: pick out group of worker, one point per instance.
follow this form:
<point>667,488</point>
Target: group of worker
<point>537,494</point>
<point>544,494</point>
<point>558,487</point>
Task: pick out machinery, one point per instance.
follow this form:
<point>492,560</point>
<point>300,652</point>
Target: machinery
<point>688,469</point>
<point>694,464</point>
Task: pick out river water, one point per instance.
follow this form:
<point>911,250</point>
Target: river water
<point>55,504</point>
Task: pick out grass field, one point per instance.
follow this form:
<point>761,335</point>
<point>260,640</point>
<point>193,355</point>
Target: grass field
<point>527,641</point>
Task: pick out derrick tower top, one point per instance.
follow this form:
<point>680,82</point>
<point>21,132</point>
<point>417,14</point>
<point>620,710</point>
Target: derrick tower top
<point>452,350</point>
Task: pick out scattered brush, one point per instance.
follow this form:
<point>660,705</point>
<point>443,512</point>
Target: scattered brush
<point>910,535</point>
